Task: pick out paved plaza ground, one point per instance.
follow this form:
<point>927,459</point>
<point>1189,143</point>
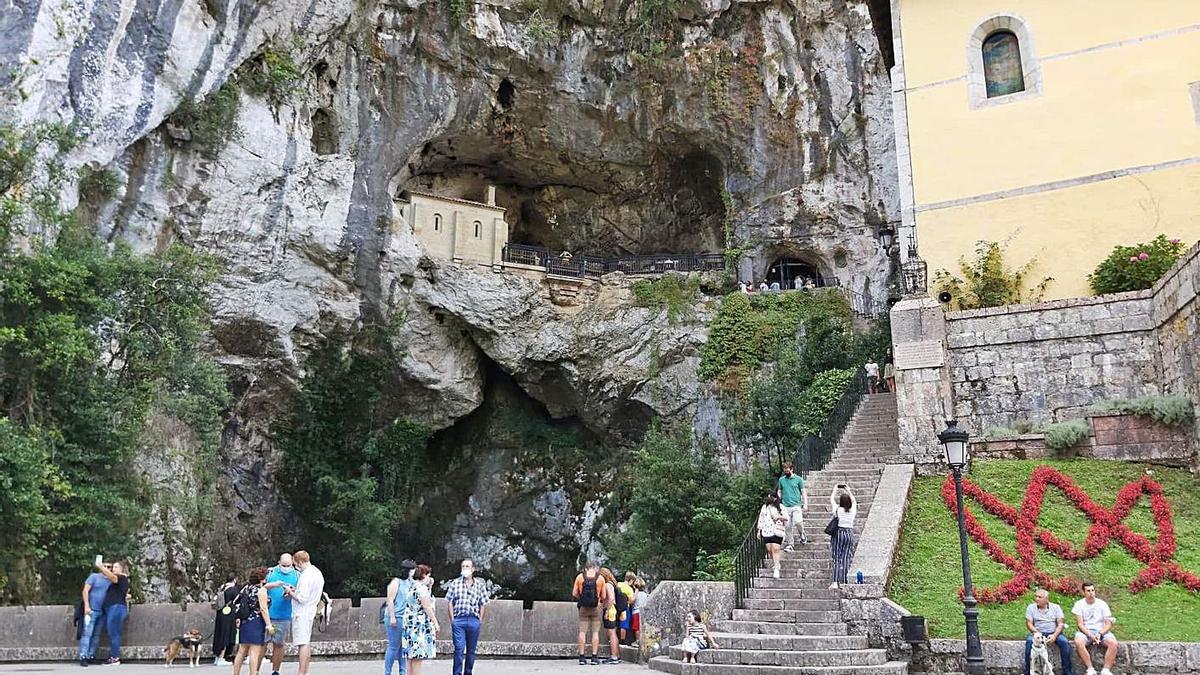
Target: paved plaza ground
<point>436,667</point>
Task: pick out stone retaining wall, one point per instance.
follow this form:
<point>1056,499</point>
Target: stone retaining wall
<point>1005,657</point>
<point>1114,436</point>
<point>46,632</point>
<point>1044,362</point>
<point>662,617</point>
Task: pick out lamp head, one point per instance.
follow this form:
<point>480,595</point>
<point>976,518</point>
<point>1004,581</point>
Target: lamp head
<point>954,442</point>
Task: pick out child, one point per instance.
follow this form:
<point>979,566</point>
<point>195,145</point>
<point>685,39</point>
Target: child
<point>697,637</point>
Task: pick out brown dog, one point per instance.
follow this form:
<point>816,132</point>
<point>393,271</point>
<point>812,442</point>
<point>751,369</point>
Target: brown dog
<point>188,643</point>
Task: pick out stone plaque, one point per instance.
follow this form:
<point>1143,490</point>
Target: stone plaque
<point>924,354</point>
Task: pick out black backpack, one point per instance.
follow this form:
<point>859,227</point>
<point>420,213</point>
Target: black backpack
<point>246,603</point>
<point>588,596</point>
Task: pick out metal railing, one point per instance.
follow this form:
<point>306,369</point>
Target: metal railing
<point>812,455</point>
<point>591,266</point>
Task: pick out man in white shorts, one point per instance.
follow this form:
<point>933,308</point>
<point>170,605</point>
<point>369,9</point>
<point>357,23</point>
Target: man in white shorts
<point>305,596</point>
<point>1095,622</point>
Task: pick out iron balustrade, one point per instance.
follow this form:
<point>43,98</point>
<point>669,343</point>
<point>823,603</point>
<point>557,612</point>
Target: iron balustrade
<point>591,266</point>
<point>812,455</point>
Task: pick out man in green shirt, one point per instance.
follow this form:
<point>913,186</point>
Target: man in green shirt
<point>795,500</point>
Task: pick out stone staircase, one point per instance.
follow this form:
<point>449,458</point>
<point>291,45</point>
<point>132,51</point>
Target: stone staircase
<point>794,624</point>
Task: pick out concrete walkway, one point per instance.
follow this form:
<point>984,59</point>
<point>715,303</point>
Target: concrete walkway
<point>436,667</point>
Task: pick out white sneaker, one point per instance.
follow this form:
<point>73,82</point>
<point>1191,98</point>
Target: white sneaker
<point>834,585</point>
<point>776,572</point>
<point>220,662</point>
<point>789,549</point>
<point>1105,671</point>
<point>1091,671</point>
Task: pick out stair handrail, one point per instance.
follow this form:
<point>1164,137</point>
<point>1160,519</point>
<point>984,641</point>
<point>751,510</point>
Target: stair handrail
<point>813,454</point>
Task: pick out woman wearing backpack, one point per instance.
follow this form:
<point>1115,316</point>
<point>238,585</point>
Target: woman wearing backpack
<point>772,524</point>
<point>253,622</point>
<point>399,593</point>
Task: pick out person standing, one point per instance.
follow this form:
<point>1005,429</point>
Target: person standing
<point>625,619</point>
<point>611,611</point>
<point>1045,617</point>
<point>639,601</point>
<point>841,543</point>
<point>95,588</point>
<point>420,623</point>
<point>399,591</point>
<point>466,599</point>
<point>224,645</point>
<point>872,369</point>
<point>771,522</point>
<point>253,621</point>
<point>278,579</point>
<point>889,374</point>
<point>305,595</point>
<point>116,608</point>
<point>795,499</point>
<point>588,592</point>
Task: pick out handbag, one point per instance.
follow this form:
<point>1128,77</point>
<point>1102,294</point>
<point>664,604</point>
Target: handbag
<point>832,528</point>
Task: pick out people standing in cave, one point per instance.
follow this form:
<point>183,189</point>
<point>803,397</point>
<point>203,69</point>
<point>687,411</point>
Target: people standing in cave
<point>775,286</point>
<point>762,287</point>
<point>611,612</point>
<point>744,286</point>
<point>224,644</point>
<point>798,283</point>
<point>420,623</point>
<point>399,591</point>
<point>588,592</point>
<point>872,369</point>
<point>810,283</point>
<point>466,600</point>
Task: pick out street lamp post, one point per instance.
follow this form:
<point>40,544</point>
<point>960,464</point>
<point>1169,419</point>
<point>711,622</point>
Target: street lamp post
<point>954,441</point>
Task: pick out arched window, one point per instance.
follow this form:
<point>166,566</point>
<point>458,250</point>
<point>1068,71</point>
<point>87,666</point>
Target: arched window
<point>1002,70</point>
<point>437,222</point>
<point>478,229</point>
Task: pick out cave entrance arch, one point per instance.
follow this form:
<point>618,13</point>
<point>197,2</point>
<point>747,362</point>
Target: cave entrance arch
<point>785,271</point>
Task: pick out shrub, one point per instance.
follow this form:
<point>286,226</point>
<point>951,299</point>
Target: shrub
<point>212,122</point>
<point>1064,435</point>
<point>1137,267</point>
<point>675,292</point>
<point>1175,411</point>
<point>273,74</point>
<point>987,280</point>
<point>820,398</point>
<point>717,566</point>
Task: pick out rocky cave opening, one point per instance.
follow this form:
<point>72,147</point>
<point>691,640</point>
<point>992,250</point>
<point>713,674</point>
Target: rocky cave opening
<point>515,489</point>
<point>669,201</point>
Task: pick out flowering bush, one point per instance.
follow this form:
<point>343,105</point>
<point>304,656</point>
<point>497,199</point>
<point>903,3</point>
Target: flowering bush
<point>1107,526</point>
<point>1133,268</point>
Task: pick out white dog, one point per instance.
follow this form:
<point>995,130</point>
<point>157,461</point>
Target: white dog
<point>1039,657</point>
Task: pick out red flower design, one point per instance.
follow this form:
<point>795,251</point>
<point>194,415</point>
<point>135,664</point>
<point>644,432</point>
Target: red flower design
<point>1107,525</point>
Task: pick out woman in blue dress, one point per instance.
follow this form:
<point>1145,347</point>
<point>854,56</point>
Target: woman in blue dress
<point>253,622</point>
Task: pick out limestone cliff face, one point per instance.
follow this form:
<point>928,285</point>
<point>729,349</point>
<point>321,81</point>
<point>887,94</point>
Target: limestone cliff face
<point>609,128</point>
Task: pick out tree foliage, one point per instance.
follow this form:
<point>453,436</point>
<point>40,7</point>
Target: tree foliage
<point>351,465</point>
<point>988,281</point>
<point>1137,267</point>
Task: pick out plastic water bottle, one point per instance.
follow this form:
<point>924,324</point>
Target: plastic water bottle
<point>859,577</point>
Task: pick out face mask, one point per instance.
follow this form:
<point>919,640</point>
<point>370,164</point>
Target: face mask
<point>467,573</point>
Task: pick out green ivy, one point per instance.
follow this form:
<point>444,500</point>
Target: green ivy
<point>351,466</point>
<point>674,292</point>
<point>819,400</point>
<point>988,281</point>
<point>750,329</point>
<point>1137,267</point>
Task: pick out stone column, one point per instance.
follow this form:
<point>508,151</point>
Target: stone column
<point>924,399</point>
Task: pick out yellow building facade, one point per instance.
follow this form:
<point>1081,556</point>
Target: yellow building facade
<point>457,229</point>
<point>1064,127</point>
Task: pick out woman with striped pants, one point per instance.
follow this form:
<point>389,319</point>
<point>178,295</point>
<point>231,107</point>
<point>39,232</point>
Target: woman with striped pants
<point>841,545</point>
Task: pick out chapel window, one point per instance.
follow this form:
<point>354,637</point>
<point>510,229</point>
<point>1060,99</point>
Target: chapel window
<point>478,229</point>
<point>437,222</point>
<point>1002,70</point>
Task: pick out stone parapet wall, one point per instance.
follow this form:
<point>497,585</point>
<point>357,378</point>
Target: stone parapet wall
<point>46,632</point>
<point>1005,657</point>
<point>662,617</point>
<point>881,534</point>
<point>1044,362</point>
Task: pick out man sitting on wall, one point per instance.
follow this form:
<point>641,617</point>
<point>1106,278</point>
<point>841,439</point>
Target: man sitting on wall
<point>1095,621</point>
<point>1046,618</point>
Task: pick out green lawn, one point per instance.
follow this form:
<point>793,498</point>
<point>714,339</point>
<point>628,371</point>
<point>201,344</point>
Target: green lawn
<point>928,573</point>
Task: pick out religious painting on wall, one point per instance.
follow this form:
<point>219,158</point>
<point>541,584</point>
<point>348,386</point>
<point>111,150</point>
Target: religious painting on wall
<point>1002,64</point>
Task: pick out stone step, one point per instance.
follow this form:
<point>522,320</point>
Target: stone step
<point>788,603</point>
<point>787,615</point>
<point>668,665</point>
<point>790,642</point>
<point>809,583</point>
<point>776,628</point>
<point>795,659</point>
<point>830,594</point>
